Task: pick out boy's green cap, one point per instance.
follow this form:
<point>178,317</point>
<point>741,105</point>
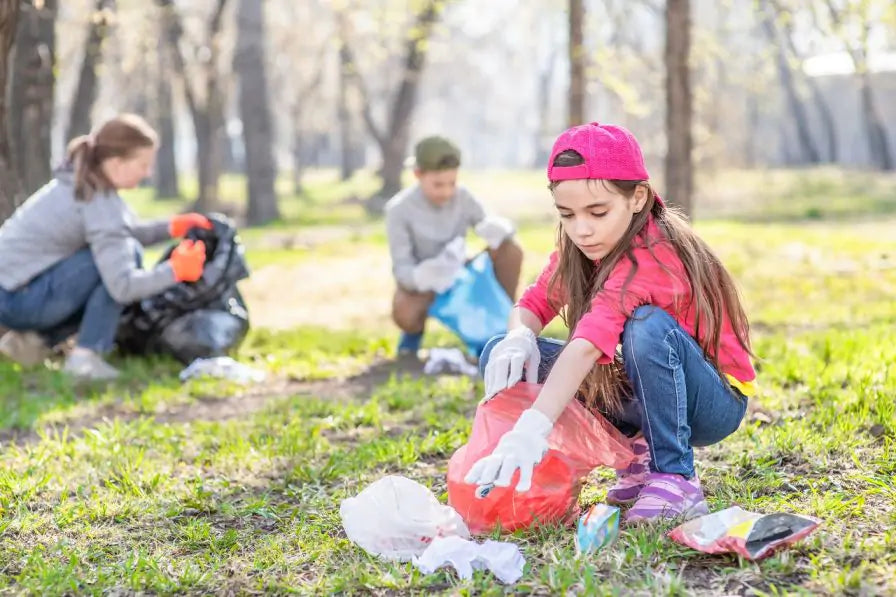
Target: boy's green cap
<point>430,153</point>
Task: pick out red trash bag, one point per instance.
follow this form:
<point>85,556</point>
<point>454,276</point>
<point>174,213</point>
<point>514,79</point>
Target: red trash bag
<point>579,442</point>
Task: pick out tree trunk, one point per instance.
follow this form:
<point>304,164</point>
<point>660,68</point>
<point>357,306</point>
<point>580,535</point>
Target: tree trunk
<point>395,142</point>
<point>208,117</point>
<point>346,145</point>
<point>31,97</point>
<point>827,119</point>
<point>679,107</point>
<point>877,134</point>
<point>9,180</point>
<point>255,112</point>
<point>166,181</point>
<point>298,158</point>
<point>807,148</point>
<point>208,159</point>
<point>576,114</point>
<point>828,129</point>
<point>85,94</point>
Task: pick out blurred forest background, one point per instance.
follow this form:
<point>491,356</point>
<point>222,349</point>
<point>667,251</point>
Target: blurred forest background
<point>771,122</point>
<point>274,89</point>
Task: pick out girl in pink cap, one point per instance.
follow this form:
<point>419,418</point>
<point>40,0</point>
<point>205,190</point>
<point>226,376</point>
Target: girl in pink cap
<point>628,273</point>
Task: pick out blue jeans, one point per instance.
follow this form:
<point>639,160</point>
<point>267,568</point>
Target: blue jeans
<point>679,400</point>
<point>69,297</point>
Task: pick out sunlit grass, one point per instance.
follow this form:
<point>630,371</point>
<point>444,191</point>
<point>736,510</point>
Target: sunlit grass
<point>149,485</point>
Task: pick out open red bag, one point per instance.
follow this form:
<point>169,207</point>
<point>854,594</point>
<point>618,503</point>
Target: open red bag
<point>579,442</point>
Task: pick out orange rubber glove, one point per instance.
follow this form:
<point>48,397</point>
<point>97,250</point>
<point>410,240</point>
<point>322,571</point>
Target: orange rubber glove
<point>180,224</point>
<point>187,260</point>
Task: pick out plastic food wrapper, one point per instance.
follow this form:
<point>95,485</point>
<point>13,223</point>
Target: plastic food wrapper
<point>579,442</point>
<point>449,360</point>
<point>222,368</point>
<point>397,518</point>
<point>475,308</point>
<point>598,528</point>
<point>753,536</point>
<point>502,559</point>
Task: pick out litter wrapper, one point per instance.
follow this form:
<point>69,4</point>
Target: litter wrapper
<point>751,535</point>
<point>598,528</point>
<point>397,518</point>
<point>476,307</point>
<point>579,442</point>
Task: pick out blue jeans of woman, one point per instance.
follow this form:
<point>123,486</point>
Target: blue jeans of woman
<point>679,399</point>
<point>68,298</point>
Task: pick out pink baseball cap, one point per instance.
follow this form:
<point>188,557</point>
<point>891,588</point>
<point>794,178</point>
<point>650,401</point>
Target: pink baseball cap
<point>610,152</point>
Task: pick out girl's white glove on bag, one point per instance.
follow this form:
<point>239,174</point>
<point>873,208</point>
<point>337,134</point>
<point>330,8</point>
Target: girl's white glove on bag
<point>494,230</point>
<point>518,351</point>
<point>520,448</point>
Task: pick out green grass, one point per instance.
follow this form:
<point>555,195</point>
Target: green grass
<point>151,486</point>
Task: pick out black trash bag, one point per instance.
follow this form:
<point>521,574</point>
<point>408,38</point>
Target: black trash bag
<point>199,319</point>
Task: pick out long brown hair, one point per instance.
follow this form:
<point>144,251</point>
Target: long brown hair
<point>578,280</point>
<point>119,137</point>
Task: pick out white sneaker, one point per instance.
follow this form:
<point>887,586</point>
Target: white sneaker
<point>86,364</point>
<point>26,348</point>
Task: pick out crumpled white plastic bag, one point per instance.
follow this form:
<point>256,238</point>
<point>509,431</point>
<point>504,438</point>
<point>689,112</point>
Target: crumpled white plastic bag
<point>449,360</point>
<point>503,559</point>
<point>397,518</point>
<point>222,368</point>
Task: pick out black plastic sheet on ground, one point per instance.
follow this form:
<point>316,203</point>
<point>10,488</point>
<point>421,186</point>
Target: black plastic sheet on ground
<point>194,320</point>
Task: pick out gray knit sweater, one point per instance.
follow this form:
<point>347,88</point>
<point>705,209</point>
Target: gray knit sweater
<point>51,226</point>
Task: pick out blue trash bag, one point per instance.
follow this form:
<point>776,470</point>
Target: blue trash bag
<point>476,308</point>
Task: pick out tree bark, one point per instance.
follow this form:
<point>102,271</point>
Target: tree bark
<point>679,106</point>
<point>576,114</point>
<point>304,95</point>
<point>807,148</point>
<point>166,179</point>
<point>85,93</point>
<point>31,98</point>
<point>255,112</point>
<point>346,144</point>
<point>828,129</point>
<point>9,180</point>
<point>394,140</point>
<point>877,135</point>
<point>878,147</point>
<point>208,117</point>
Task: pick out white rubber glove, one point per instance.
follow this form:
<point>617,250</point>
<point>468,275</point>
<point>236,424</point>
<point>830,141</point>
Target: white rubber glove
<point>520,448</point>
<point>438,273</point>
<point>494,230</point>
<point>518,351</point>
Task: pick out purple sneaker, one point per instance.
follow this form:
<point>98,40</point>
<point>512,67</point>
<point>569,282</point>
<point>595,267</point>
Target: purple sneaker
<point>666,496</point>
<point>630,480</point>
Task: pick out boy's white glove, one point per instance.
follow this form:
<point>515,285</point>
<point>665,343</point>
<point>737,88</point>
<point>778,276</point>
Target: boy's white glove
<point>520,448</point>
<point>439,272</point>
<point>494,230</point>
<point>516,352</point>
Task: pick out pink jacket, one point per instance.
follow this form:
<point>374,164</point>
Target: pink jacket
<point>661,281</point>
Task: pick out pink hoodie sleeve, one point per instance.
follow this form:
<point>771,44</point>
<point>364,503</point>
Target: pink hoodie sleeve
<point>535,297</point>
